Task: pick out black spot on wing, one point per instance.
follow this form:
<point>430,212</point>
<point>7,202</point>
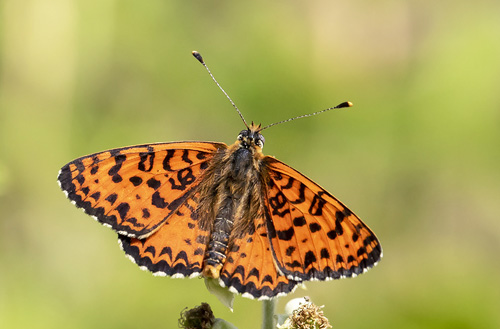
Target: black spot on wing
<point>80,179</point>
<point>369,239</point>
<point>112,198</point>
<point>314,227</point>
<point>185,157</point>
<point>166,160</point>
<point>166,250</point>
<point>96,196</point>
<point>135,180</point>
<point>151,250</point>
<point>182,256</point>
<point>146,161</point>
<point>293,264</point>
<point>94,170</point>
<point>289,184</point>
<point>254,272</point>
<point>286,235</point>
<point>116,178</point>
<point>113,171</point>
<point>123,209</point>
<point>268,278</point>
<point>299,221</point>
<point>135,223</point>
<point>317,204</point>
<point>361,251</point>
<point>153,183</point>
<point>309,258</point>
<point>158,201</point>
<point>339,216</point>
<point>332,235</point>
<point>278,204</point>
<point>184,177</point>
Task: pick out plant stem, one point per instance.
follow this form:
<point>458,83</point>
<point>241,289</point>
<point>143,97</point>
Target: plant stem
<point>268,308</point>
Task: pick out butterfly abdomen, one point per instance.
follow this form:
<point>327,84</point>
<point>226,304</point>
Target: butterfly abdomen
<point>219,239</point>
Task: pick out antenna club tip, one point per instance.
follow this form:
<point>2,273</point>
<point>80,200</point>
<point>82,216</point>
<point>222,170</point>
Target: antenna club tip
<point>197,55</point>
<point>344,104</point>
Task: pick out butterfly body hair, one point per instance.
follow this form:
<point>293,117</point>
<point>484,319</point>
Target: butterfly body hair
<point>230,197</point>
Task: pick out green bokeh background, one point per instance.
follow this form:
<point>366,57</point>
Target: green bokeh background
<point>417,157</point>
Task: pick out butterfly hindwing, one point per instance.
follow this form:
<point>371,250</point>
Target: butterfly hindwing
<point>135,189</point>
<point>250,269</point>
<point>313,235</point>
<point>176,249</point>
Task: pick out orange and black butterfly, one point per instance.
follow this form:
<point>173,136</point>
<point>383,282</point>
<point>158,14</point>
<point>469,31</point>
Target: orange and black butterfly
<point>188,209</point>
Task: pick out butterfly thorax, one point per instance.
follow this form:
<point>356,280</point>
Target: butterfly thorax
<point>231,197</point>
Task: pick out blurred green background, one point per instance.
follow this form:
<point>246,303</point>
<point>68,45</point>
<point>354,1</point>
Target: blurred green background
<point>417,157</point>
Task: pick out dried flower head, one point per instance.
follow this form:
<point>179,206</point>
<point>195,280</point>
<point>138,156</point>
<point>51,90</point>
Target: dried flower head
<point>200,317</point>
<point>306,316</point>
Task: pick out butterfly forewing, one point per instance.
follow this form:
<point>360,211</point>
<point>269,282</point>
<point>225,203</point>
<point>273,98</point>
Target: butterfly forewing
<point>313,235</point>
<point>135,189</point>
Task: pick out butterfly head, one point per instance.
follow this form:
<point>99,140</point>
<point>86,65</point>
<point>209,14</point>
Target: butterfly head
<point>251,137</point>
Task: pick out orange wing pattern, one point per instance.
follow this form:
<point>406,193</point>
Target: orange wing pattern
<point>176,249</point>
<point>135,189</point>
<point>148,194</point>
<point>313,235</point>
<point>250,268</point>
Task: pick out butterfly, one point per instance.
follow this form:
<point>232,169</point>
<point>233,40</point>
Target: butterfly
<point>224,212</point>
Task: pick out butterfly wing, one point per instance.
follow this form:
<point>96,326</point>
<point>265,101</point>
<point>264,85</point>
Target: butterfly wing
<point>250,267</point>
<point>176,249</point>
<point>313,235</point>
<point>135,189</point>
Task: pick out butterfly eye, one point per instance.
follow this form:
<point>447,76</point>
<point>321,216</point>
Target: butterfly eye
<point>262,139</point>
<point>243,133</point>
<point>259,143</point>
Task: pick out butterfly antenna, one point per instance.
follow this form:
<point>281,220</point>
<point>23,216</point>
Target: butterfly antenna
<point>342,105</point>
<point>197,55</point>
